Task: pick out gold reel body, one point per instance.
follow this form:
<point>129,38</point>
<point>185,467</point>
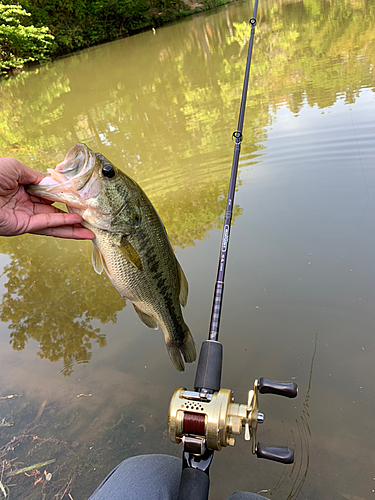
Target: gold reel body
<point>212,419</point>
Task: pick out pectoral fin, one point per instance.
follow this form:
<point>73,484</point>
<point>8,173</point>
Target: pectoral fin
<point>184,287</point>
<point>97,260</point>
<point>147,320</point>
<point>130,253</point>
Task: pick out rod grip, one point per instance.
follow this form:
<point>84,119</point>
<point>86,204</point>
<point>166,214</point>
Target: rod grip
<point>208,374</point>
<point>194,485</point>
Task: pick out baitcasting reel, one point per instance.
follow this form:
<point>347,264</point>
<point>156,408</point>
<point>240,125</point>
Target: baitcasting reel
<point>209,420</point>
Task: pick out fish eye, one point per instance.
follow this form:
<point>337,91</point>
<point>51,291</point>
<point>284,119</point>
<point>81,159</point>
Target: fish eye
<point>108,171</point>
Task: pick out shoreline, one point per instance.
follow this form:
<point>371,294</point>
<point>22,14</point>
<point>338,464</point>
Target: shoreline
<point>154,21</point>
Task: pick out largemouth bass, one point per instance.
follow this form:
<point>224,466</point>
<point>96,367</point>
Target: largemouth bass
<point>130,243</point>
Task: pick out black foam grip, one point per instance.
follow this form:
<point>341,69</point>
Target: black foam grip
<point>286,389</point>
<point>208,375</point>
<point>194,485</point>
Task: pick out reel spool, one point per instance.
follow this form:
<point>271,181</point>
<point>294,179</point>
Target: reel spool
<point>205,420</point>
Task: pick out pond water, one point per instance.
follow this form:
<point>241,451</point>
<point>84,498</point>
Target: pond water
<point>300,283</point>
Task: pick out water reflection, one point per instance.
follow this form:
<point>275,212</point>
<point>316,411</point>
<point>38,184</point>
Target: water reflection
<point>88,98</point>
<point>156,121</point>
<point>163,108</point>
<point>52,296</point>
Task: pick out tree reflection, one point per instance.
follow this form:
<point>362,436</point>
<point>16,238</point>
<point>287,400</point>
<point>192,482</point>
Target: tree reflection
<point>307,51</point>
<point>166,123</point>
<point>52,296</point>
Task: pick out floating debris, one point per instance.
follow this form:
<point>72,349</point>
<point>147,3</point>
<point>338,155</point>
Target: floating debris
<point>47,475</point>
<point>3,490</point>
<point>39,414</point>
<point>9,397</point>
<point>84,395</point>
<point>115,425</point>
<point>33,474</point>
<point>3,423</point>
<point>31,467</point>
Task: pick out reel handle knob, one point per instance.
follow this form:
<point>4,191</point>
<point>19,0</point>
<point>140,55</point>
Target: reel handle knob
<point>286,389</point>
<point>280,454</point>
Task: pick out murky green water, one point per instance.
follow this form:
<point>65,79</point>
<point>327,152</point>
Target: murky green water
<point>300,289</point>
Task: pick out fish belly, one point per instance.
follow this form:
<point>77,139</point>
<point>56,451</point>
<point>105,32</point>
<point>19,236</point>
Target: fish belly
<point>153,290</point>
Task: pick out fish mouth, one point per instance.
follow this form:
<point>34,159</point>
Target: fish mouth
<point>66,183</point>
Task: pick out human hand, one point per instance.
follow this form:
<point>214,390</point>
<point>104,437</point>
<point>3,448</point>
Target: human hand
<point>22,213</point>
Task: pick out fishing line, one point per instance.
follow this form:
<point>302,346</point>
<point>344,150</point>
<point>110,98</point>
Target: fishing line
<point>304,434</point>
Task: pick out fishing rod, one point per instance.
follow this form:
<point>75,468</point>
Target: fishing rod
<point>207,419</point>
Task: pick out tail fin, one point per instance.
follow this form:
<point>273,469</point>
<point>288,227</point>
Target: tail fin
<point>187,349</point>
<point>176,358</point>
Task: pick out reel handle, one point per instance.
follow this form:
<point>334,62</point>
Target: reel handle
<point>286,389</point>
<point>280,454</point>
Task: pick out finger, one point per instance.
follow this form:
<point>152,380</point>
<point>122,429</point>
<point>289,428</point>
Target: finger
<point>23,174</point>
<point>28,176</point>
<point>68,232</point>
<point>40,201</point>
<point>43,221</point>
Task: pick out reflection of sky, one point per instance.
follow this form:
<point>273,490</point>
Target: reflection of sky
<point>311,197</point>
<point>4,260</point>
<point>340,134</point>
<point>302,262</point>
<point>4,332</point>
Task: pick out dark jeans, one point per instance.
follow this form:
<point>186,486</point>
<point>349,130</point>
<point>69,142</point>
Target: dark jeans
<point>149,477</point>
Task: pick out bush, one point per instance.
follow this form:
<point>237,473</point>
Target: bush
<point>77,24</point>
<point>19,42</point>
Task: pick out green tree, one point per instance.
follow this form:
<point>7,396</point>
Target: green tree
<point>21,42</point>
